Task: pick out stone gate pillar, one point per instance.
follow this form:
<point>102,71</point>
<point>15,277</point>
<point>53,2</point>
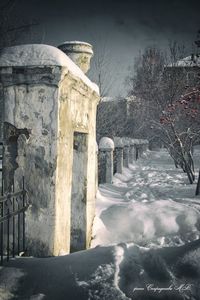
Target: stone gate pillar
<point>106,147</point>
<point>46,93</point>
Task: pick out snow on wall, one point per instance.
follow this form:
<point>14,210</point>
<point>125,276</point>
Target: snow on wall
<point>41,55</point>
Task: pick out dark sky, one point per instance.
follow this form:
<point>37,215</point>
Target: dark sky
<point>124,26</point>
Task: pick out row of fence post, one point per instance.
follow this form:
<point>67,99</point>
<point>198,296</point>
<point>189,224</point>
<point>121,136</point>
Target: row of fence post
<point>116,153</point>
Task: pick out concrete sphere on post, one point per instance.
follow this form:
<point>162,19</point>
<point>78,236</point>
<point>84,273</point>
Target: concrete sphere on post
<point>118,142</point>
<point>106,144</point>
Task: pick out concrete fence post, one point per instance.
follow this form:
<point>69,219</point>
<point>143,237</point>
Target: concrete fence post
<point>118,155</point>
<point>135,151</point>
<point>146,145</point>
<point>105,161</point>
<point>132,152</point>
<point>140,149</point>
<point>143,146</point>
<point>126,152</point>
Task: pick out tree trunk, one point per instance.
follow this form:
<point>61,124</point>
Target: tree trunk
<point>189,172</point>
<point>198,186</point>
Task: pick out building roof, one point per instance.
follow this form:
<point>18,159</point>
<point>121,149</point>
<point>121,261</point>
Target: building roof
<point>189,61</point>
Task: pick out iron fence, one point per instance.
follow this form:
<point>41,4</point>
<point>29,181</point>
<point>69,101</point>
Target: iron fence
<point>12,223</point>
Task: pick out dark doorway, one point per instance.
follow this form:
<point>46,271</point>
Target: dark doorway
<point>79,186</point>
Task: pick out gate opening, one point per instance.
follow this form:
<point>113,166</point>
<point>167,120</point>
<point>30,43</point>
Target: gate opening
<point>79,191</point>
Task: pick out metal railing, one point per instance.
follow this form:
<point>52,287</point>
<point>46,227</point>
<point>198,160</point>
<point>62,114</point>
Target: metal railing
<point>12,223</point>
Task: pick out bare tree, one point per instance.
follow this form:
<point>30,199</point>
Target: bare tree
<point>101,70</point>
<point>198,185</point>
<point>158,83</point>
<point>181,127</point>
<point>144,83</point>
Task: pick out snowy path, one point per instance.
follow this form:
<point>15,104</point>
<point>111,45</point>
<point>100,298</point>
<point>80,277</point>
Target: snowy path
<point>152,203</point>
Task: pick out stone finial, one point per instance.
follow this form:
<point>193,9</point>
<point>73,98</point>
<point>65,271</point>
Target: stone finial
<point>118,142</point>
<point>79,52</point>
<point>106,143</point>
<point>105,160</point>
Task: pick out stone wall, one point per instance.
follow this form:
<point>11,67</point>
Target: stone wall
<point>114,155</point>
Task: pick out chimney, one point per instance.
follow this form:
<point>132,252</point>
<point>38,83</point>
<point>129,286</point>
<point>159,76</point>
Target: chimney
<point>79,52</point>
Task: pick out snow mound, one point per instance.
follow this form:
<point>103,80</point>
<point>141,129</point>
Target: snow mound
<point>101,285</point>
<point>142,273</point>
<point>144,222</point>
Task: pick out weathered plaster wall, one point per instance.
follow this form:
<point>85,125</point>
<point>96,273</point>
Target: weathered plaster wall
<point>53,102</point>
<point>78,196</point>
<point>33,107</point>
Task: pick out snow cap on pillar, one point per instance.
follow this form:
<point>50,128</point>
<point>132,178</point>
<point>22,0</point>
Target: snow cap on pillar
<point>132,142</point>
<point>135,141</point>
<point>145,142</point>
<point>126,141</point>
<point>106,144</point>
<point>118,142</point>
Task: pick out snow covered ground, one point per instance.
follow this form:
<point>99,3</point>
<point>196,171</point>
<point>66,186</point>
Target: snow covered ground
<point>146,244</point>
<point>150,204</point>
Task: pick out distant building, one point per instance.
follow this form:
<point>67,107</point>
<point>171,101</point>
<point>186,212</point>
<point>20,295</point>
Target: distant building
<point>188,67</point>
